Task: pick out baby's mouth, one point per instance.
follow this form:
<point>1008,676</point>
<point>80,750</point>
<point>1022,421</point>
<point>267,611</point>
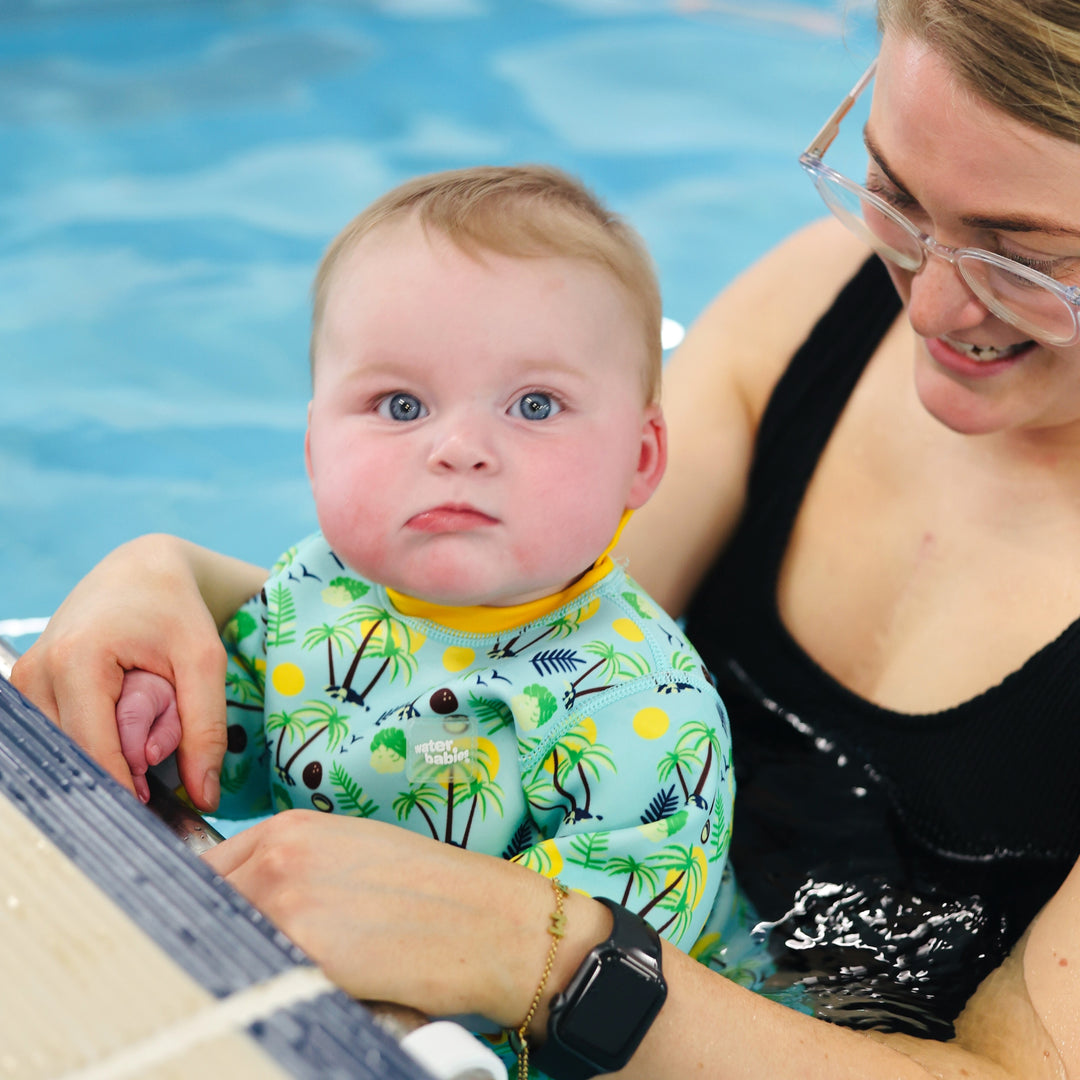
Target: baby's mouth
<point>984,354</point>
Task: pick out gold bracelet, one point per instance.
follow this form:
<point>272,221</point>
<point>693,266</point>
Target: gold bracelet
<point>556,929</point>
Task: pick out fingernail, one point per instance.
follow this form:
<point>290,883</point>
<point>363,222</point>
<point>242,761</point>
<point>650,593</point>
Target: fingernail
<point>211,788</point>
<point>153,753</point>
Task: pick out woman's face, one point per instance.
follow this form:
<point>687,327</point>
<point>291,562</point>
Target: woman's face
<point>971,176</point>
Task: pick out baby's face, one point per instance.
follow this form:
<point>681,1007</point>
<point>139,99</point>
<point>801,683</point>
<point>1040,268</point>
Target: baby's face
<point>477,428</point>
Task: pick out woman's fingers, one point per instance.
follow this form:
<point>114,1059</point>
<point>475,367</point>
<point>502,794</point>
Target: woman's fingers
<point>139,608</point>
<point>200,697</point>
<point>77,687</point>
<point>225,858</point>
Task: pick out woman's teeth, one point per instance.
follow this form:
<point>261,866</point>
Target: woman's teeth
<point>985,353</point>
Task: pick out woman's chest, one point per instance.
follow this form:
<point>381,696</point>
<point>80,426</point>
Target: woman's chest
<point>919,574</point>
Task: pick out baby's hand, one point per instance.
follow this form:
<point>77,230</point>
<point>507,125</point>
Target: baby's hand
<point>148,724</point>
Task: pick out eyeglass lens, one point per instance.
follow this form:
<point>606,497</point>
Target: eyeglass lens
<point>1010,294</point>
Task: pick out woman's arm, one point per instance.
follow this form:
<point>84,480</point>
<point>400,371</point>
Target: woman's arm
<point>155,603</point>
<point>360,895</point>
<point>716,387</point>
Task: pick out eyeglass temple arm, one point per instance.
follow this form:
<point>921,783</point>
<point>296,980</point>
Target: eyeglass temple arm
<point>824,138</point>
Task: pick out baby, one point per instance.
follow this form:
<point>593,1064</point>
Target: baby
<point>455,649</point>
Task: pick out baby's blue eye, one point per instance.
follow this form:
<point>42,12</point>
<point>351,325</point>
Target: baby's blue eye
<point>402,406</point>
<point>536,406</point>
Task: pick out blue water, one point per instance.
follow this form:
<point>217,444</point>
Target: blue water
<point>172,172</point>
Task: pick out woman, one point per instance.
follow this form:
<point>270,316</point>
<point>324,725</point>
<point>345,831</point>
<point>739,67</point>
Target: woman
<point>876,554</point>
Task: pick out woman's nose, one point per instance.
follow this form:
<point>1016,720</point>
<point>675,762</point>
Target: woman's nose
<point>940,302</point>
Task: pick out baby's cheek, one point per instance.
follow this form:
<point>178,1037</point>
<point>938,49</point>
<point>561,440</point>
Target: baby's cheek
<point>353,534</point>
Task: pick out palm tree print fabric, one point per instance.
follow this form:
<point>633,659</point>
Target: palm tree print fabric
<point>589,743</point>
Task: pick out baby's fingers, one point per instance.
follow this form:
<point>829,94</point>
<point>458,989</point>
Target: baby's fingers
<point>147,724</point>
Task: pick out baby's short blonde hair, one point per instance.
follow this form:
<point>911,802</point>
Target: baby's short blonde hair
<point>523,211</point>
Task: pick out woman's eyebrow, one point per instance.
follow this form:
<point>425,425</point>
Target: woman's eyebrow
<point>879,160</point>
<point>1004,222</point>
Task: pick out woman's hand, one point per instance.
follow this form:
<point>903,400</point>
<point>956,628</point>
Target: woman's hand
<point>394,916</point>
<point>141,607</point>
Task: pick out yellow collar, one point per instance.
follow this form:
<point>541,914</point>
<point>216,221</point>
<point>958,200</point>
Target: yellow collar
<point>488,618</point>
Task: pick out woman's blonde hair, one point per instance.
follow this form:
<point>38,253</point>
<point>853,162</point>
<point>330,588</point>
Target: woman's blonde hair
<point>522,211</point>
<point>1021,55</point>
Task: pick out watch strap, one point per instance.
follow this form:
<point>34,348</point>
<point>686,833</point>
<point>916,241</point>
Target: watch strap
<point>629,933</point>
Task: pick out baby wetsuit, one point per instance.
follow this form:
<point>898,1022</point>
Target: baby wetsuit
<point>893,860</point>
<point>579,735</point>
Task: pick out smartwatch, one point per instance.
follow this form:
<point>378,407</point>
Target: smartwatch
<point>597,1022</point>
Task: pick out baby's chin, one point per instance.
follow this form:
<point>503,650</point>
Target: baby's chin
<point>440,575</point>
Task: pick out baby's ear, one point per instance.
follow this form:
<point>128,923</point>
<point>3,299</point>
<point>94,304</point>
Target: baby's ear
<point>652,459</point>
<point>307,444</point>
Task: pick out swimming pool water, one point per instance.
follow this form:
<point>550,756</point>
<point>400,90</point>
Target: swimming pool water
<point>173,171</point>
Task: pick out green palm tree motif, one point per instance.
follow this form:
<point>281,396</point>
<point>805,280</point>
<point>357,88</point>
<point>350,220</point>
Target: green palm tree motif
<point>387,637</point>
<point>422,797</point>
<point>694,734</point>
<point>242,689</point>
<point>291,726</point>
<point>612,665</point>
<point>682,907</point>
<point>537,857</point>
<point>684,889</point>
<point>325,718</point>
<point>640,875</point>
<point>336,636</point>
<point>683,755</point>
<point>582,754</point>
<point>482,789</point>
<point>561,627</point>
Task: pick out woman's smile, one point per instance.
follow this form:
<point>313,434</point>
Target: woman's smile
<point>976,361</point>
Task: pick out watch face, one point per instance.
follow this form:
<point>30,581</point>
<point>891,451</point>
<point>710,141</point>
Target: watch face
<point>611,1010</point>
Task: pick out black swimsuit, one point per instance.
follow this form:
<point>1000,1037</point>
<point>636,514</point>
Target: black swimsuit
<point>896,858</point>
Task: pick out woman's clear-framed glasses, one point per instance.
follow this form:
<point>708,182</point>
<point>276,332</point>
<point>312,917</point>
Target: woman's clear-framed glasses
<point>1017,294</point>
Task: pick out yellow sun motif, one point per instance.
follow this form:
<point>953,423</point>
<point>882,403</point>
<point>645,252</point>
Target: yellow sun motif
<point>288,679</point>
<point>457,658</point>
<point>590,609</point>
<point>628,629</point>
<point>651,722</point>
<point>487,752</point>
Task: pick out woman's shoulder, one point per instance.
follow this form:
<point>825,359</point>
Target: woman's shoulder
<point>716,388</point>
<point>758,322</point>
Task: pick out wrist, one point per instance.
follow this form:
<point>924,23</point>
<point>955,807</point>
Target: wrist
<point>588,923</point>
<point>600,1016</point>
